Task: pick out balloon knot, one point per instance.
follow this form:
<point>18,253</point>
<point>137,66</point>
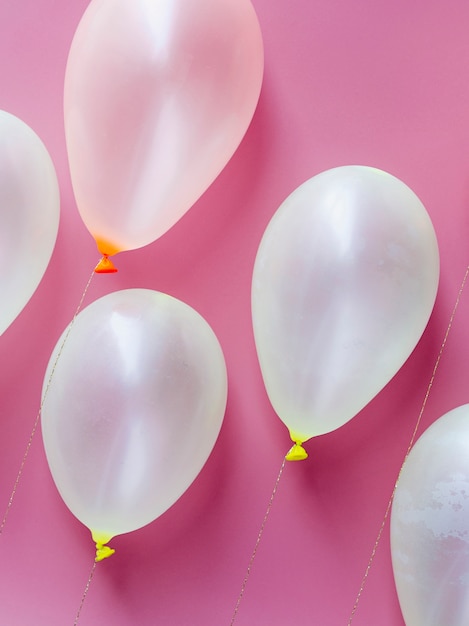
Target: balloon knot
<point>105,266</point>
<point>297,453</point>
<point>103,552</point>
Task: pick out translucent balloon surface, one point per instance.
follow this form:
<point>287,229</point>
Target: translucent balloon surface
<point>430,526</point>
<point>29,214</point>
<point>344,283</point>
<point>158,95</point>
<point>134,408</point>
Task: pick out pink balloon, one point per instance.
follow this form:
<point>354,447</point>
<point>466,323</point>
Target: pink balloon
<point>158,95</point>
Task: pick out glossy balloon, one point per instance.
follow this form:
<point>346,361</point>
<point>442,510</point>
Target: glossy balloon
<point>430,525</point>
<point>29,215</point>
<point>133,410</point>
<point>158,95</point>
<point>344,283</point>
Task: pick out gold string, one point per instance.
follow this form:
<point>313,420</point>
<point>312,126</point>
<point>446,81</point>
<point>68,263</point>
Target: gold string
<point>256,546</point>
<point>36,421</point>
<point>409,448</point>
<point>85,593</point>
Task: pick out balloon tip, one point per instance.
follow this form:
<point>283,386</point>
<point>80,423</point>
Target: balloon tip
<point>296,453</point>
<point>102,550</point>
<point>105,266</point>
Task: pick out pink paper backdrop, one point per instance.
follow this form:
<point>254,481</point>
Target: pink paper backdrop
<point>376,83</point>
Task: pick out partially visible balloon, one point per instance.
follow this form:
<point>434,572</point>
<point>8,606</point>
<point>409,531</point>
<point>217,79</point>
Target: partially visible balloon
<point>344,282</point>
<point>158,95</point>
<point>133,411</point>
<point>29,215</point>
<point>430,525</point>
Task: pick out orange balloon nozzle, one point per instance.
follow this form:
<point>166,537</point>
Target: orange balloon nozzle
<point>105,266</point>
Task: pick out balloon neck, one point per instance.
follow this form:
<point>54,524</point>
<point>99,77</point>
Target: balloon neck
<point>297,452</point>
<point>106,248</point>
<point>105,266</point>
<point>102,550</point>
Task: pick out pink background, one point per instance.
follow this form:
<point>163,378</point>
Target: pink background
<point>359,82</point>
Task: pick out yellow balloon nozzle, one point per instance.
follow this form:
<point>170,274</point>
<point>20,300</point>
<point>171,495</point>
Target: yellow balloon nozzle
<point>102,550</point>
<point>297,452</point>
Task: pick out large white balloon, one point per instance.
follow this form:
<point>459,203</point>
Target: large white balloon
<point>29,215</point>
<point>344,282</point>
<point>134,408</point>
<point>158,95</point>
<point>430,526</point>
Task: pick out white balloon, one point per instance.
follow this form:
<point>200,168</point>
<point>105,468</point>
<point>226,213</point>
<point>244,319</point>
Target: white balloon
<point>430,526</point>
<point>134,408</point>
<point>157,97</point>
<point>344,282</point>
<point>29,215</point>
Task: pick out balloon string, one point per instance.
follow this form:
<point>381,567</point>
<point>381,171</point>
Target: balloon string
<point>85,593</point>
<point>409,448</point>
<point>36,421</point>
<point>256,546</point>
